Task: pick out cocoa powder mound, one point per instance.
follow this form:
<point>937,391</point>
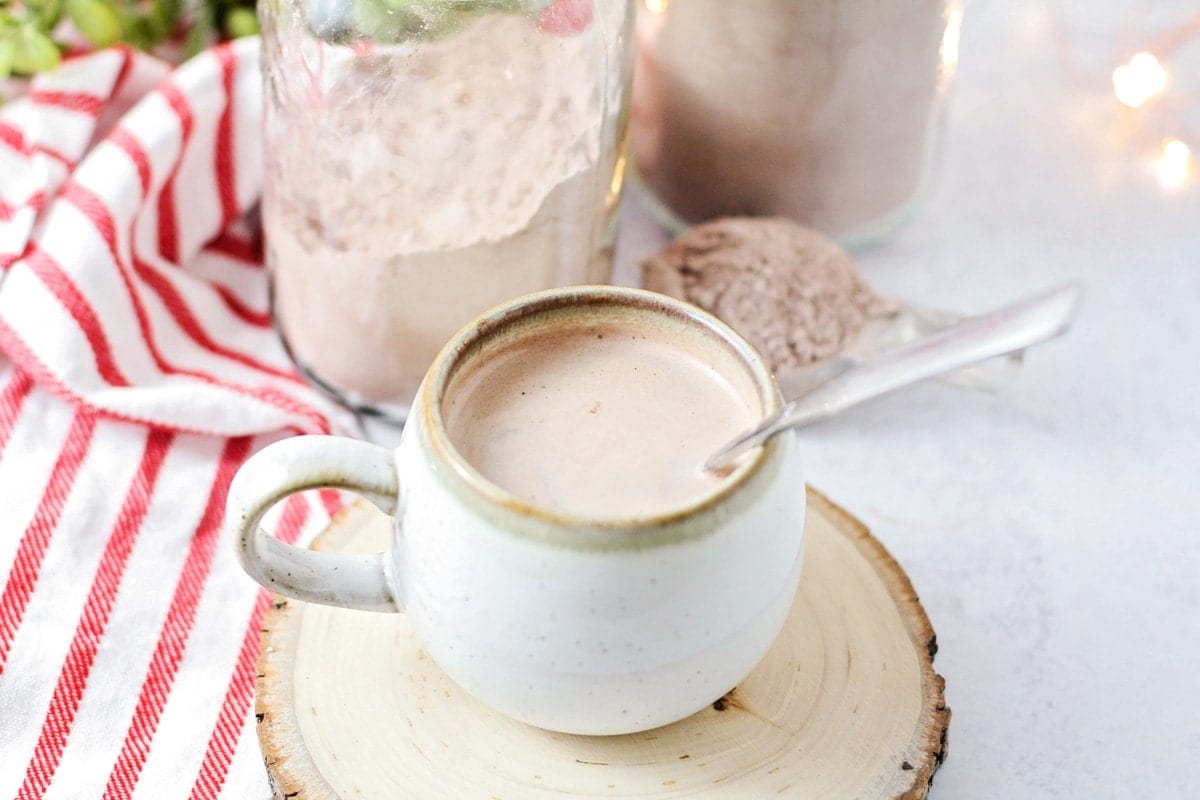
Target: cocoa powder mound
<point>790,290</point>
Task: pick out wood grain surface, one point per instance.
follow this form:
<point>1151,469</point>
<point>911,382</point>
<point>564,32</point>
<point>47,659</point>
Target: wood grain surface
<point>845,705</point>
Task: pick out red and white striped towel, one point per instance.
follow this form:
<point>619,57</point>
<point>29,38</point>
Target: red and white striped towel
<point>141,370</point>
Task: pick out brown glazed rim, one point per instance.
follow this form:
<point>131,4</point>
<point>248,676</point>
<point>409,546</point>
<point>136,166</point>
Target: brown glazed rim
<point>493,500</point>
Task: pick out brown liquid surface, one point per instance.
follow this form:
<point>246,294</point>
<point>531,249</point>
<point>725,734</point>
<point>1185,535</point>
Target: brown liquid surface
<point>603,420</point>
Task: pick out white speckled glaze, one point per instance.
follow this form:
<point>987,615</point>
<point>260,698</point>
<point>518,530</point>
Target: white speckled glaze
<point>600,626</point>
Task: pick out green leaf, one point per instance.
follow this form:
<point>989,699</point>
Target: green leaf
<point>167,13</point>
<point>141,32</point>
<point>33,51</point>
<point>7,52</point>
<point>95,19</point>
<point>241,22</point>
<point>155,27</point>
<point>49,12</point>
<point>199,35</point>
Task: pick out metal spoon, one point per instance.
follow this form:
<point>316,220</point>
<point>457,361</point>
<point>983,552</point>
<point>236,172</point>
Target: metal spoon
<point>1013,327</point>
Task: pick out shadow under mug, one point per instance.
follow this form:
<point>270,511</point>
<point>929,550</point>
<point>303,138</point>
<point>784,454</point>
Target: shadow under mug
<point>588,626</point>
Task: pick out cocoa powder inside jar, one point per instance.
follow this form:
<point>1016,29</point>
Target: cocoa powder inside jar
<point>823,111</point>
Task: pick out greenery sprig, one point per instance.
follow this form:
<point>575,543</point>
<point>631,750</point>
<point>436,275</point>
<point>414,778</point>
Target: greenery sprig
<point>32,32</point>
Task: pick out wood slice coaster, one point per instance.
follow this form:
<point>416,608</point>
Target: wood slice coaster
<point>845,705</point>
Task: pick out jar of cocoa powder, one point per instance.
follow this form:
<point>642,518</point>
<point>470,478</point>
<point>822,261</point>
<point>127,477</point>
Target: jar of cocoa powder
<point>426,160</point>
<point>825,111</point>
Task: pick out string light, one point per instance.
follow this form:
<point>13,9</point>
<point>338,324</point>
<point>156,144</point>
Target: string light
<point>657,6</point>
<point>1142,79</point>
<point>1173,165</point>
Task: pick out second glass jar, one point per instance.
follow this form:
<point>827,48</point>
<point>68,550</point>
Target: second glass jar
<point>825,111</point>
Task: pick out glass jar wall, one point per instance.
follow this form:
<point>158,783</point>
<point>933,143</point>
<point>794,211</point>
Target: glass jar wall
<point>426,160</point>
<point>825,111</point>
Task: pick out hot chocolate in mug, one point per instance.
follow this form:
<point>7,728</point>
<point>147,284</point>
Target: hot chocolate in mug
<point>558,549</point>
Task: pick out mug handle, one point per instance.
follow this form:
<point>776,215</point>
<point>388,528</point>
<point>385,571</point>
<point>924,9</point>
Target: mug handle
<point>314,462</point>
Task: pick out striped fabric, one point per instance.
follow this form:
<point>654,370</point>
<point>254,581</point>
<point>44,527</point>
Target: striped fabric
<point>139,370</point>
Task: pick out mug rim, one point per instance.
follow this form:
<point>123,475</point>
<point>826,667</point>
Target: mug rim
<point>493,322</point>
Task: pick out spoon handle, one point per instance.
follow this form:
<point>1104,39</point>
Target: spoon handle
<point>974,339</point>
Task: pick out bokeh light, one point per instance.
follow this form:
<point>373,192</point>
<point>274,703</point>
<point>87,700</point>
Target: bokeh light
<point>1173,166</point>
<point>1140,80</point>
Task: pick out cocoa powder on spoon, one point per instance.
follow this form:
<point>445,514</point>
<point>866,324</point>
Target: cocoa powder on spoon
<point>790,290</point>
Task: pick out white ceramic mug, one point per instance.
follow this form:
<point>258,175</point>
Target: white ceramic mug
<point>591,626</point>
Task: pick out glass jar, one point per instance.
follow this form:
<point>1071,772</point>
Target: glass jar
<point>426,160</point>
<point>825,111</point>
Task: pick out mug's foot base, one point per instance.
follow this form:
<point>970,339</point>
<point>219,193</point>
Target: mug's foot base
<point>846,704</point>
